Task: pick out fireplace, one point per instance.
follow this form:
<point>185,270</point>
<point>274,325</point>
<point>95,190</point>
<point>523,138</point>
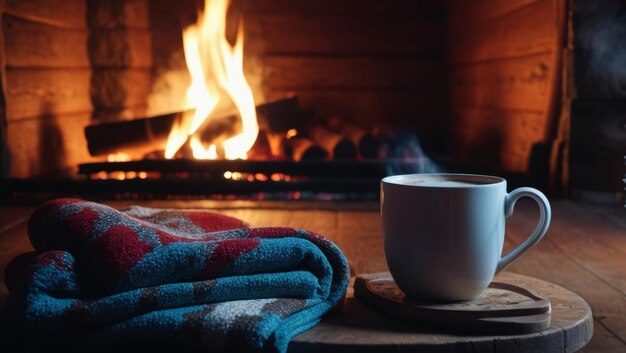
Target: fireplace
<point>486,87</point>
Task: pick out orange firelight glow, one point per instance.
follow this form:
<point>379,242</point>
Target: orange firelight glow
<point>291,133</point>
<point>118,157</point>
<point>216,70</point>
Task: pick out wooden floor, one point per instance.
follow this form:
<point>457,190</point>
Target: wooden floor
<point>584,251</point>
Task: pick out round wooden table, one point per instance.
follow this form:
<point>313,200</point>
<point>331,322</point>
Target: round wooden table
<point>358,328</point>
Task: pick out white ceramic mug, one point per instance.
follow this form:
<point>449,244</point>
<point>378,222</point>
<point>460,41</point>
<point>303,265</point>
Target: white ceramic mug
<point>443,233</point>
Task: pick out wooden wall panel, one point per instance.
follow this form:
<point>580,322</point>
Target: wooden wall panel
<point>137,14</point>
<point>47,46</point>
<point>505,69</point>
<point>336,35</point>
<point>170,78</point>
<point>120,52</point>
<point>47,78</point>
<point>4,148</point>
<point>308,72</point>
<point>58,13</point>
<point>407,8</point>
<point>68,63</point>
<point>120,88</point>
<point>490,141</point>
<point>120,48</point>
<point>47,145</point>
<point>527,30</point>
<point>33,93</point>
<point>522,84</point>
<point>480,11</point>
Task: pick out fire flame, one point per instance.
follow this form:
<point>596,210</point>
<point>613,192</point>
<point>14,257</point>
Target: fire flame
<point>216,68</point>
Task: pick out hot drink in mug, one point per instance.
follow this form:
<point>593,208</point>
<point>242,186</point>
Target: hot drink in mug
<point>443,233</point>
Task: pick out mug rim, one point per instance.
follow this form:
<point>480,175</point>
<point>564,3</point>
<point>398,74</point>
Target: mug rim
<point>489,180</point>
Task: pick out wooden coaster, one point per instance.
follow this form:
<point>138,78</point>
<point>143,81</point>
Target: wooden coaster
<point>502,308</point>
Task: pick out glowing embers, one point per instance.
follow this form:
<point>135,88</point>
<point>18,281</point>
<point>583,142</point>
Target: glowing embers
<point>260,177</point>
<point>119,157</point>
<point>247,179</point>
<point>123,175</point>
<point>227,175</point>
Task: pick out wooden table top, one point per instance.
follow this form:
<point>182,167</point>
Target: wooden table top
<point>358,328</point>
<point>583,251</point>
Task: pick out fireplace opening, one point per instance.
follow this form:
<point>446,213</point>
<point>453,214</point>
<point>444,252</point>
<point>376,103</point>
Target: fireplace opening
<point>307,100</point>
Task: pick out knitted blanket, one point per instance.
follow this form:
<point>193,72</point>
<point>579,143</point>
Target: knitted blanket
<point>101,276</point>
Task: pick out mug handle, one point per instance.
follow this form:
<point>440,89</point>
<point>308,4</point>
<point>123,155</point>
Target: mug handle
<point>544,221</point>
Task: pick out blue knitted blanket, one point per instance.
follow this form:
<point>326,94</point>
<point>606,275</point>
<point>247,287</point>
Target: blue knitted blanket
<point>151,275</point>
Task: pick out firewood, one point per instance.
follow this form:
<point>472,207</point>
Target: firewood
<point>301,148</point>
<point>220,129</point>
<point>368,144</point>
<point>261,149</point>
<point>370,147</point>
<point>122,136</point>
<point>314,153</point>
<point>148,134</point>
<point>280,115</point>
<point>276,142</point>
<point>348,130</point>
<point>334,144</point>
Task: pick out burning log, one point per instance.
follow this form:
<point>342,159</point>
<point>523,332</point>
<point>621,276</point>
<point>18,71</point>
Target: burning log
<point>334,144</point>
<point>276,142</point>
<point>314,153</point>
<point>142,136</point>
<point>133,136</point>
<point>281,115</point>
<point>368,144</point>
<point>261,149</point>
<point>346,129</point>
<point>301,148</point>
